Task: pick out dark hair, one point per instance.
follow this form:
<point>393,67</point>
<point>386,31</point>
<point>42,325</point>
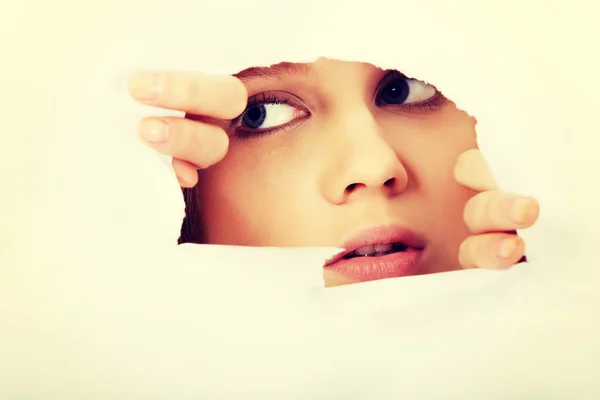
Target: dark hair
<point>191,230</point>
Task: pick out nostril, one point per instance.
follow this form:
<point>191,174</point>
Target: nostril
<point>390,183</point>
<point>352,187</point>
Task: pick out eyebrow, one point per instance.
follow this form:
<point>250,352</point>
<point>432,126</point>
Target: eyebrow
<point>276,71</point>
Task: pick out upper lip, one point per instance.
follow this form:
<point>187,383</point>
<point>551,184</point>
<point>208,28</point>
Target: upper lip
<point>380,235</point>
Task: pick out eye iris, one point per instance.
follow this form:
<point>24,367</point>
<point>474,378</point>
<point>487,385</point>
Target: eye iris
<point>255,116</point>
<point>395,92</point>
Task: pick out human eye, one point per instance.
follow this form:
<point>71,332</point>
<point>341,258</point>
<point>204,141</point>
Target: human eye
<point>396,89</point>
<point>268,112</point>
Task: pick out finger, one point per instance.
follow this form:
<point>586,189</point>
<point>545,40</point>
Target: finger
<point>471,170</point>
<point>491,251</point>
<point>186,173</point>
<point>197,143</point>
<point>218,96</point>
<point>496,211</point>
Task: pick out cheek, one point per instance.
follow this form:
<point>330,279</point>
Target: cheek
<point>429,148</point>
<point>247,198</point>
<point>429,153</point>
<point>432,180</point>
<point>436,170</point>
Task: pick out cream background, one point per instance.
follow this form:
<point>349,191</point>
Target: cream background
<point>98,302</point>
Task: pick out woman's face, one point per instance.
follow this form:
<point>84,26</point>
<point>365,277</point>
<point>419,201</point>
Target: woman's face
<point>345,155</point>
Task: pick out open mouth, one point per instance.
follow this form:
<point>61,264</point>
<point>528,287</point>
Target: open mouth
<point>379,253</point>
<point>376,250</point>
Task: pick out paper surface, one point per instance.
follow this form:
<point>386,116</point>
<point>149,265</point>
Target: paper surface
<point>99,302</point>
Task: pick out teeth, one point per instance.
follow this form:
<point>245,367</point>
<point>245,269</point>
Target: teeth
<point>374,250</point>
<point>363,251</point>
<point>383,247</point>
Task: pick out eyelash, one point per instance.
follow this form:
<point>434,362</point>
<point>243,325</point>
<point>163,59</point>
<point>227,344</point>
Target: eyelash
<point>261,99</point>
<point>268,98</point>
<point>430,105</point>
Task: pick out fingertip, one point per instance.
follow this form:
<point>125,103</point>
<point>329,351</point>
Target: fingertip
<point>238,98</point>
<point>146,86</point>
<point>184,184</point>
<point>154,131</point>
<point>464,159</point>
<point>219,146</point>
<point>509,250</point>
<point>491,251</point>
<point>524,211</point>
<point>508,247</point>
<point>535,211</point>
<point>471,170</point>
<point>186,173</point>
<point>460,161</point>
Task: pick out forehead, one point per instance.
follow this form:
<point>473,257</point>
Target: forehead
<point>276,71</point>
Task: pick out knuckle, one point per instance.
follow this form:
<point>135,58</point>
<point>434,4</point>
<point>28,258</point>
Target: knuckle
<point>469,208</point>
<point>481,251</point>
<point>179,139</point>
<point>462,259</point>
<point>474,211</point>
<point>190,90</point>
<point>491,205</point>
<point>486,211</point>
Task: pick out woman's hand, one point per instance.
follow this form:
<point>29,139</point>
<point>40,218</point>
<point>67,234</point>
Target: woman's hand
<point>193,144</point>
<point>492,216</point>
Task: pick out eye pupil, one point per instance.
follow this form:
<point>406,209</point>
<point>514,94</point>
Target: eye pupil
<point>254,117</point>
<point>395,92</point>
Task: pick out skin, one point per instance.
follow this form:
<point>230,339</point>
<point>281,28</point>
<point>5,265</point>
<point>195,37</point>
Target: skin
<point>351,164</point>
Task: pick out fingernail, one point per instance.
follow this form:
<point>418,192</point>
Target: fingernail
<point>520,208</point>
<point>154,131</point>
<point>507,247</point>
<point>146,86</point>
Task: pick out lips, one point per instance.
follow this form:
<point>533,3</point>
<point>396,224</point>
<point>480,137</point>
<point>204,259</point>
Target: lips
<point>379,253</point>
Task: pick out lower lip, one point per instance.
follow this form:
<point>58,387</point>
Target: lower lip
<point>364,269</point>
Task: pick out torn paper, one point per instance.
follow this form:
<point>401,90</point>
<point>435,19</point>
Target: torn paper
<point>101,302</point>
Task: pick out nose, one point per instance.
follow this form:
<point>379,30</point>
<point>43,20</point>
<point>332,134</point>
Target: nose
<point>363,163</point>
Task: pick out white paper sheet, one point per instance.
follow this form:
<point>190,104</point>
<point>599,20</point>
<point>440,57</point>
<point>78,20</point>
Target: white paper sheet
<point>99,302</point>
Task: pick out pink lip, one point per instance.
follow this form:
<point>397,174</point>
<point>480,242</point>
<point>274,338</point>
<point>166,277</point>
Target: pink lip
<point>363,269</point>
